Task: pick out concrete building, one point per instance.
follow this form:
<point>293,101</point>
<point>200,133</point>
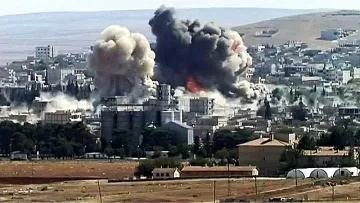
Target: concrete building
<point>337,75</point>
<point>62,117</point>
<point>219,171</point>
<point>44,53</point>
<point>135,117</point>
<point>326,156</point>
<point>39,105</point>
<point>219,121</point>
<point>183,133</point>
<point>352,111</point>
<point>331,34</point>
<point>264,153</point>
<point>165,173</point>
<point>202,105</point>
<point>56,75</point>
<point>356,73</point>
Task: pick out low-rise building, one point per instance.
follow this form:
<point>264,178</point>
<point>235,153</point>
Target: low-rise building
<point>182,132</point>
<point>326,156</point>
<point>219,171</point>
<point>165,173</point>
<point>265,153</point>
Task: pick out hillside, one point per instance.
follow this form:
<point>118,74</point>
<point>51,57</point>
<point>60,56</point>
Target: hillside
<point>77,31</point>
<point>306,28</point>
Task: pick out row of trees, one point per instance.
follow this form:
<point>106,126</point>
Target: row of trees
<point>67,140</point>
<point>219,149</point>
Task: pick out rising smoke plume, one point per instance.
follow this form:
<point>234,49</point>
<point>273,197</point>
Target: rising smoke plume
<point>123,63</point>
<point>200,58</point>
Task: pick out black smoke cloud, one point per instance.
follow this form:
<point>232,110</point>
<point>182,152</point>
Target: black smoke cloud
<point>211,55</point>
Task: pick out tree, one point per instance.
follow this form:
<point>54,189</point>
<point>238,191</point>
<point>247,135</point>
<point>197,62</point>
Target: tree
<point>290,159</point>
<point>268,113</point>
<point>222,154</point>
<point>208,144</point>
<point>277,93</point>
<point>109,151</point>
<point>307,143</point>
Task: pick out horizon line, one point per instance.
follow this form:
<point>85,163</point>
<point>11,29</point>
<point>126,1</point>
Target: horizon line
<point>182,8</point>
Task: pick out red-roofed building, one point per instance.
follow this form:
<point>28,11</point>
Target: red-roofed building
<point>265,153</point>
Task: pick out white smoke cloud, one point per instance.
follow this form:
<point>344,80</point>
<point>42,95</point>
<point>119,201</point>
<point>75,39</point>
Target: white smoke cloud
<point>123,63</point>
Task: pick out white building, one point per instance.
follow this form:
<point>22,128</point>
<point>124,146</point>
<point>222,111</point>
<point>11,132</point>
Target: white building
<point>300,173</point>
<point>356,73</point>
<point>44,53</point>
<point>337,75</point>
<point>331,34</point>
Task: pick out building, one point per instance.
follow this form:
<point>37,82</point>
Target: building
<point>352,111</point>
<point>331,34</point>
<point>182,132</point>
<point>356,73</point>
<point>56,75</point>
<point>337,75</point>
<point>326,156</point>
<point>265,153</point>
<point>44,53</point>
<point>322,173</point>
<point>202,105</point>
<point>135,117</point>
<point>165,173</point>
<point>96,155</point>
<point>62,117</point>
<point>300,173</point>
<point>39,105</point>
<point>18,156</point>
<point>219,171</point>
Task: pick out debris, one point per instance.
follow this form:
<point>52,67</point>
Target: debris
<point>44,188</point>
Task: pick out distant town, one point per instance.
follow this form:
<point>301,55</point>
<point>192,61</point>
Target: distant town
<point>294,114</point>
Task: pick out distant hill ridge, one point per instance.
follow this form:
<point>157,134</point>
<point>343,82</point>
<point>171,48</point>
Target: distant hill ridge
<point>76,31</point>
<point>304,27</point>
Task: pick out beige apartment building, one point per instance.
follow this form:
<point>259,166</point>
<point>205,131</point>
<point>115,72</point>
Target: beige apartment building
<point>265,153</point>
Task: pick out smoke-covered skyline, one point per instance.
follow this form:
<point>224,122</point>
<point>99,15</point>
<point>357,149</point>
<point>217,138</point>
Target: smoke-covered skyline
<point>199,57</point>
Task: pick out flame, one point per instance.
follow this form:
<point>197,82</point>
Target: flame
<point>192,85</point>
<point>235,45</point>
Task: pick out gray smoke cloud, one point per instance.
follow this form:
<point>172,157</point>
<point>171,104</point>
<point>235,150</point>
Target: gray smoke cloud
<point>198,57</point>
<point>123,63</point>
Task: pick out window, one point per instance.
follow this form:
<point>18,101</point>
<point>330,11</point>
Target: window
<point>157,174</point>
<point>167,175</point>
<point>162,175</point>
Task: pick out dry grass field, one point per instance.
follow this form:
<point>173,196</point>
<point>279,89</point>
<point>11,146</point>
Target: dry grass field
<point>163,191</point>
<point>152,191</point>
<point>98,169</point>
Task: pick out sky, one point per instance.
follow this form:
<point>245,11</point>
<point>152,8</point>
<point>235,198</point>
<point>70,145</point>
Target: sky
<point>9,7</point>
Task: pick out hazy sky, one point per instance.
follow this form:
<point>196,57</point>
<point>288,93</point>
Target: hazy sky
<point>30,6</point>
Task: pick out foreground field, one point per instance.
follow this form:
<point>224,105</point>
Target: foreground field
<point>163,191</point>
<point>44,169</point>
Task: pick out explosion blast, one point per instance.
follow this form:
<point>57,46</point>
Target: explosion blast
<point>200,58</point>
<point>123,63</point>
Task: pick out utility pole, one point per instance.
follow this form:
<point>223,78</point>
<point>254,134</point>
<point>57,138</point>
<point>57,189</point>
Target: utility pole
<point>214,191</point>
<point>100,196</point>
<point>333,191</point>
<point>256,188</point>
<point>229,191</point>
